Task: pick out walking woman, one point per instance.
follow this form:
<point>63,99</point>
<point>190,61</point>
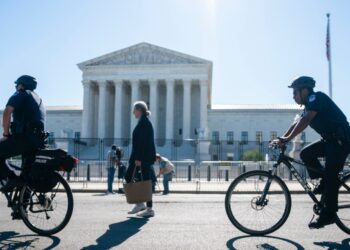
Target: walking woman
<point>143,154</point>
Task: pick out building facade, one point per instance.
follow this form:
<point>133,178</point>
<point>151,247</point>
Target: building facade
<point>253,123</point>
<point>177,87</point>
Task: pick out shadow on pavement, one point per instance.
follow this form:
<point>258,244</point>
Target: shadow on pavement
<point>265,245</point>
<point>100,194</point>
<point>329,245</point>
<point>13,240</point>
<point>105,194</point>
<point>118,233</point>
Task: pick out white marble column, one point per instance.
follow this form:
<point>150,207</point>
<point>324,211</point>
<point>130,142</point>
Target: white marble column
<point>186,128</point>
<point>153,84</point>
<point>87,110</point>
<point>170,108</point>
<point>204,106</point>
<point>118,95</point>
<point>135,89</point>
<point>102,112</point>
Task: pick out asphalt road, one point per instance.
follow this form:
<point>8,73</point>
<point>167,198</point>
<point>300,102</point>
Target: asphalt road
<point>182,221</point>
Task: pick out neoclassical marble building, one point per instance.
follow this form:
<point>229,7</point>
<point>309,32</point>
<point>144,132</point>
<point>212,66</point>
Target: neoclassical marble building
<point>176,86</point>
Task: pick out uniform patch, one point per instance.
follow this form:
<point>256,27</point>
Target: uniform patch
<point>312,98</point>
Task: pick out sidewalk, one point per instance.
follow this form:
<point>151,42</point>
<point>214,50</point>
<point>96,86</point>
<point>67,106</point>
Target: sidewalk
<point>183,187</point>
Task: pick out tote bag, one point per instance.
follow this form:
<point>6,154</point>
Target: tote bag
<point>138,191</point>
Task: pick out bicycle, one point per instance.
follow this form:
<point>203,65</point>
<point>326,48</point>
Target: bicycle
<point>259,202</point>
<point>41,197</point>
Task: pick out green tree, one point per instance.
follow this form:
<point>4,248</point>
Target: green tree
<point>252,155</point>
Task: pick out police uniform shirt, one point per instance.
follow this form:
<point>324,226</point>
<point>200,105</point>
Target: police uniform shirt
<point>28,108</point>
<point>329,117</point>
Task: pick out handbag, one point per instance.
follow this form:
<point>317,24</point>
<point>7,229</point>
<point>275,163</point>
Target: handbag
<point>138,191</point>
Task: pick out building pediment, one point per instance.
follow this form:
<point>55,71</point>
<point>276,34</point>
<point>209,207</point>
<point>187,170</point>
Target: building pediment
<point>143,54</point>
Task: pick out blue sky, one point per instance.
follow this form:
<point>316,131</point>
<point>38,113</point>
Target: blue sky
<point>257,46</point>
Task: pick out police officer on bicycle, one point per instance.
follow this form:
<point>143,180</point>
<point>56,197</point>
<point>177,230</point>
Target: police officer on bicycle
<point>325,117</point>
<point>25,134</point>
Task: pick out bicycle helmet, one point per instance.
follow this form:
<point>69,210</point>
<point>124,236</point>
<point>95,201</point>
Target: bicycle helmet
<point>303,82</point>
<point>27,81</point>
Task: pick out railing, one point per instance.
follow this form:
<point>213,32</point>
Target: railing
<point>185,171</point>
<point>224,162</point>
<point>207,176</point>
<point>176,150</point>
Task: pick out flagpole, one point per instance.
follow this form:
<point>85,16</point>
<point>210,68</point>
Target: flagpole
<point>329,57</point>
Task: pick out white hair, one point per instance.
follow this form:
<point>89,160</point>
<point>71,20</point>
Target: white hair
<point>142,106</point>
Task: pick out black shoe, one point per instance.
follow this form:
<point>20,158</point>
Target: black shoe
<point>3,183</point>
<point>7,185</point>
<point>319,188</point>
<point>10,184</point>
<point>323,220</point>
<point>16,216</point>
<point>165,193</point>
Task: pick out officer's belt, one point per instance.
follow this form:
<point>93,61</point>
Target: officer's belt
<point>342,134</point>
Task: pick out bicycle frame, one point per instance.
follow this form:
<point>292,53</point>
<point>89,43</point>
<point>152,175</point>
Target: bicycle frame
<point>286,160</point>
<point>12,197</point>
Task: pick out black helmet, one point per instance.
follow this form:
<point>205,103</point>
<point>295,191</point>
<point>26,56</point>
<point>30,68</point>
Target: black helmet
<point>303,82</point>
<point>28,82</point>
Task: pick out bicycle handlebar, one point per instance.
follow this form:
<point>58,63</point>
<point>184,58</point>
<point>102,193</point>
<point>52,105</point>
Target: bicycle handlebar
<point>275,145</point>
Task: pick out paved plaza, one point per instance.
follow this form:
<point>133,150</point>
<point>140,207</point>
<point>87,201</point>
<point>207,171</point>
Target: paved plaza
<point>182,221</point>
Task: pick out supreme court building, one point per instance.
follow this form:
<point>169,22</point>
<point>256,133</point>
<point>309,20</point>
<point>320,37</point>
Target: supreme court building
<point>176,87</point>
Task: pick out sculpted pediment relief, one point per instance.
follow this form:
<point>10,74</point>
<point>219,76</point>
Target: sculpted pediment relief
<point>144,53</point>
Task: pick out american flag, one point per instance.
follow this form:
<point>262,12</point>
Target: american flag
<point>328,42</point>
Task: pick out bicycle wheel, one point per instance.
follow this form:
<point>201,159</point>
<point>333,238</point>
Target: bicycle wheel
<point>47,213</point>
<point>343,220</point>
<point>251,214</point>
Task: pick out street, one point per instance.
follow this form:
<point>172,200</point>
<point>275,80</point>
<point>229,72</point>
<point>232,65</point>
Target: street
<point>182,221</point>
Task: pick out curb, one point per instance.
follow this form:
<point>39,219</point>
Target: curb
<point>179,192</point>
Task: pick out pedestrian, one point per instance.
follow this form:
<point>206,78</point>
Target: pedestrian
<point>166,168</point>
<point>111,163</point>
<point>120,165</point>
<point>121,168</point>
<point>143,154</point>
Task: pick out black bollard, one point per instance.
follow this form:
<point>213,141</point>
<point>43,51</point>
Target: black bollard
<point>226,175</point>
<point>208,173</point>
<point>189,173</point>
<point>88,173</point>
